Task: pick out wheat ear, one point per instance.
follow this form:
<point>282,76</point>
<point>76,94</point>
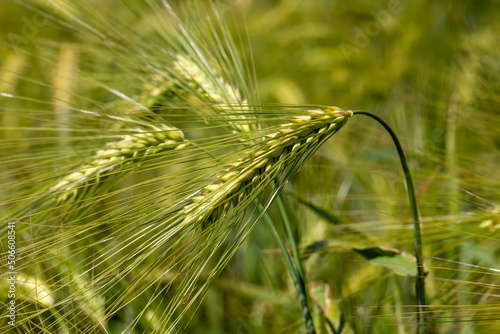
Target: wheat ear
<point>131,149</point>
<point>273,154</point>
<point>213,89</point>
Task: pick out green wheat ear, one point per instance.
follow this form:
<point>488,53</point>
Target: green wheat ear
<point>222,97</point>
<point>270,157</point>
<point>129,151</point>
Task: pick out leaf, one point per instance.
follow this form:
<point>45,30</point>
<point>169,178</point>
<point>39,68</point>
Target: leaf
<point>322,296</point>
<point>323,213</point>
<point>374,252</point>
<point>400,262</point>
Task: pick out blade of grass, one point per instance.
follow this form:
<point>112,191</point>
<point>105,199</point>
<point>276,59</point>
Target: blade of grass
<point>298,282</point>
<point>290,235</point>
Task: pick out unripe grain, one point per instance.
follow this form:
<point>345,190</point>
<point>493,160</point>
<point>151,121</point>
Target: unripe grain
<point>129,150</point>
<point>273,153</point>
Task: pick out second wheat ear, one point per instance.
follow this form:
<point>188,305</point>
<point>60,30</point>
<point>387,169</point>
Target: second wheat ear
<point>129,150</point>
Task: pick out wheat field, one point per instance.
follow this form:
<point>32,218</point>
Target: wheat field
<point>208,167</point>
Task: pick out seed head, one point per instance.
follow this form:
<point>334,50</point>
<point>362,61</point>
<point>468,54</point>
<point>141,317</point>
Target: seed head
<point>129,150</point>
<point>270,156</point>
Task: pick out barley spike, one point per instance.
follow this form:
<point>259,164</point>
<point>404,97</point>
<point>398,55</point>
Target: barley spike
<point>223,97</point>
<point>270,154</point>
<point>129,150</point>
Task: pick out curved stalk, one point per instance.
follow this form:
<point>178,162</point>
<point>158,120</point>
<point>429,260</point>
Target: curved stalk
<point>417,233</point>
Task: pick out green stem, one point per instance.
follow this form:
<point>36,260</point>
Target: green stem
<point>290,235</point>
<point>417,233</point>
<point>298,282</point>
<point>293,244</point>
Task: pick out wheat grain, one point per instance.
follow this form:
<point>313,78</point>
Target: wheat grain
<point>131,149</point>
<point>201,82</point>
<point>271,154</point>
<point>222,96</point>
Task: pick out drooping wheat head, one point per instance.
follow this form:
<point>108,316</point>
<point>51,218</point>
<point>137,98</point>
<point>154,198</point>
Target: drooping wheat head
<point>272,155</point>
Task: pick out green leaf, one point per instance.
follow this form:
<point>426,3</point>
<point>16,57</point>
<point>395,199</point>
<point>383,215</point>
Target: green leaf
<point>323,213</point>
<point>401,263</point>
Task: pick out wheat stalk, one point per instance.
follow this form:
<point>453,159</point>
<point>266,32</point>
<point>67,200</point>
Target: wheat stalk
<point>131,149</point>
<point>271,154</point>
